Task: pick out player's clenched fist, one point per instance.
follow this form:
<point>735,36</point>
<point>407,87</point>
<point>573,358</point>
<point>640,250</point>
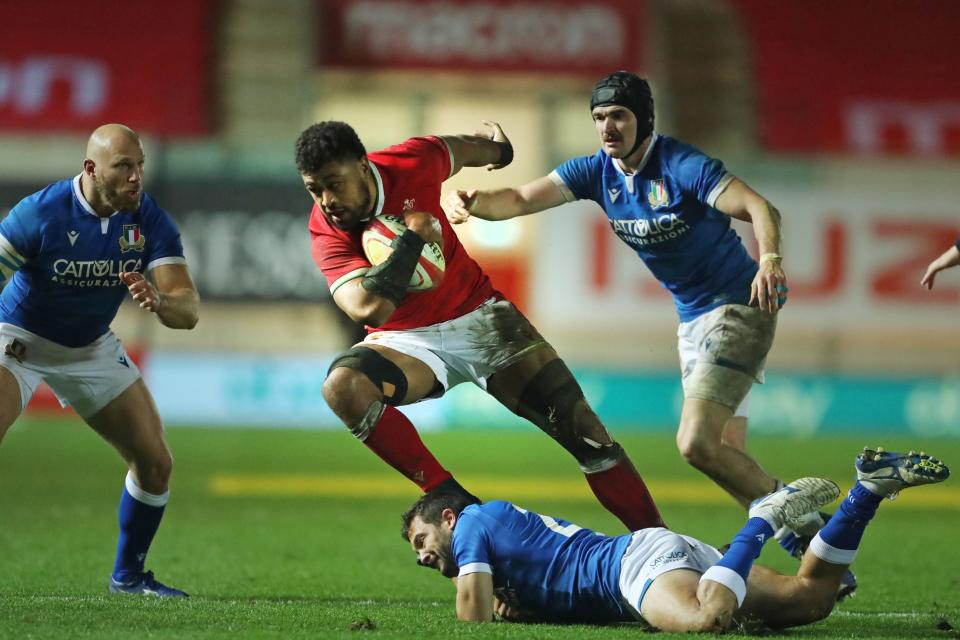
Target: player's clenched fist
<point>494,131</point>
<point>141,290</point>
<point>769,287</point>
<point>457,205</point>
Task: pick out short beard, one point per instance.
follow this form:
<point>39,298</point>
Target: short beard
<point>114,198</point>
<point>366,206</point>
<point>450,569</point>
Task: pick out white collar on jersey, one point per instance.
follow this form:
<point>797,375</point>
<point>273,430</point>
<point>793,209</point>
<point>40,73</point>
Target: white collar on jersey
<point>381,196</point>
<point>77,191</point>
<point>643,161</point>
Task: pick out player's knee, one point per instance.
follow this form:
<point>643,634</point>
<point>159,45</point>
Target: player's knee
<point>153,473</point>
<point>361,375</point>
<point>821,603</point>
<point>549,397</point>
<point>696,448</point>
<point>554,401</point>
<point>712,620</point>
<point>340,386</point>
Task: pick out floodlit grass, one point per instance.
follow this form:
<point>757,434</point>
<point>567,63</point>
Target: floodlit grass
<point>296,534</point>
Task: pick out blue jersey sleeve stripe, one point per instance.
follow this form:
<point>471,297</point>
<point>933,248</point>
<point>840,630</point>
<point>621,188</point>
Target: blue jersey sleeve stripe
<point>475,567</point>
<point>159,262</point>
<point>10,253</point>
<point>557,180</point>
<point>720,188</point>
<point>5,273</point>
<point>9,264</point>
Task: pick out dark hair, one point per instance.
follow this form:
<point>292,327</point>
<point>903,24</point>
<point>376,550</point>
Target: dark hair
<point>325,142</point>
<point>431,505</point>
<point>630,91</point>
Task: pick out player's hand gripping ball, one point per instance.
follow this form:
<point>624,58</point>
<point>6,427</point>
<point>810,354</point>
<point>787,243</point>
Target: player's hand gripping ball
<point>376,240</point>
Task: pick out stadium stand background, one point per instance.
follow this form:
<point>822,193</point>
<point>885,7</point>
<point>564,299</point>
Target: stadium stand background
<point>849,123</point>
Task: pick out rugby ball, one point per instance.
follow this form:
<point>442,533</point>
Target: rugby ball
<point>376,240</point>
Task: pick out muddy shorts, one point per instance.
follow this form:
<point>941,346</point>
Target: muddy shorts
<point>723,352</point>
<point>470,348</point>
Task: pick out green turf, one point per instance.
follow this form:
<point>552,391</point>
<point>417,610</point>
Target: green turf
<point>313,566</point>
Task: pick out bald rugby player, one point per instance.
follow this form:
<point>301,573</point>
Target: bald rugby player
<point>69,254</point>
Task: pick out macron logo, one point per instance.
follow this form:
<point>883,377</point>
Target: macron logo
<point>614,194</point>
<point>760,538</point>
<point>72,237</point>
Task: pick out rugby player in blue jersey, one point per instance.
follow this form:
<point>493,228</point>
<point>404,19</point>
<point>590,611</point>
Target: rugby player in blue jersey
<point>949,258</point>
<point>673,205</point>
<point>527,567</point>
<point>69,254</point>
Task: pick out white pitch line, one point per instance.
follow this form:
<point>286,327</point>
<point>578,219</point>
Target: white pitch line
<point>885,614</point>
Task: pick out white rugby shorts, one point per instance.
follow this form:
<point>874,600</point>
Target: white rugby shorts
<point>470,348</point>
<point>86,378</point>
<point>653,552</point>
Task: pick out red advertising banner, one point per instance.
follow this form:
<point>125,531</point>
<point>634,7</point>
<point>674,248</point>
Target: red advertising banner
<point>72,67</point>
<point>872,77</point>
<point>561,36</point>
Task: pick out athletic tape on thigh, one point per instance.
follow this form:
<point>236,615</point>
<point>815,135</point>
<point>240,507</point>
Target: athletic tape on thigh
<point>388,377</point>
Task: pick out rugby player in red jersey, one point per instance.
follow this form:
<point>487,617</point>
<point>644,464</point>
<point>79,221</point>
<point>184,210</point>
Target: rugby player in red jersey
<point>420,344</point>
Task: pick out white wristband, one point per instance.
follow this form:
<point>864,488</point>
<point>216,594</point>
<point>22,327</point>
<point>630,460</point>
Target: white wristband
<point>770,256</point>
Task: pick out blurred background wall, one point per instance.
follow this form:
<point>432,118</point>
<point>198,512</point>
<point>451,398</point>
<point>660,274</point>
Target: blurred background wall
<point>846,117</point>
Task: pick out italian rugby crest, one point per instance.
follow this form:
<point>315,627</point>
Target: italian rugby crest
<point>658,196</point>
<point>131,239</point>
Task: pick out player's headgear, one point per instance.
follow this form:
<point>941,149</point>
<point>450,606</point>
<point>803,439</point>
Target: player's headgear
<point>630,91</point>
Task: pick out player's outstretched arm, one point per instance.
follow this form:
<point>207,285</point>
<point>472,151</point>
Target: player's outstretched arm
<point>769,288</point>
<point>949,258</point>
<point>171,295</point>
<point>503,204</point>
<point>475,597</point>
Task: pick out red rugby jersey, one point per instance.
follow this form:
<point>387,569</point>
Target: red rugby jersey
<point>408,177</point>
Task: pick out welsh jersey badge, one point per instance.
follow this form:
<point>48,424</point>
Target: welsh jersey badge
<point>131,239</point>
<point>658,196</point>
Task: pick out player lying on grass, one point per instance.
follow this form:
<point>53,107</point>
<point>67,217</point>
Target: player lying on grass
<point>529,567</point>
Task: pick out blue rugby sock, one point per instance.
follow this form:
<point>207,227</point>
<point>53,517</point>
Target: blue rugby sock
<point>733,568</point>
<point>139,514</point>
<point>838,541</point>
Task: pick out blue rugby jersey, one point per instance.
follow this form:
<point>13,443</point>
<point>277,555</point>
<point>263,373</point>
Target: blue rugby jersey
<point>63,261</point>
<point>549,566</point>
<point>665,213</point>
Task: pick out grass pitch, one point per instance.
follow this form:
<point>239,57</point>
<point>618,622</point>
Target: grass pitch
<point>284,534</point>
